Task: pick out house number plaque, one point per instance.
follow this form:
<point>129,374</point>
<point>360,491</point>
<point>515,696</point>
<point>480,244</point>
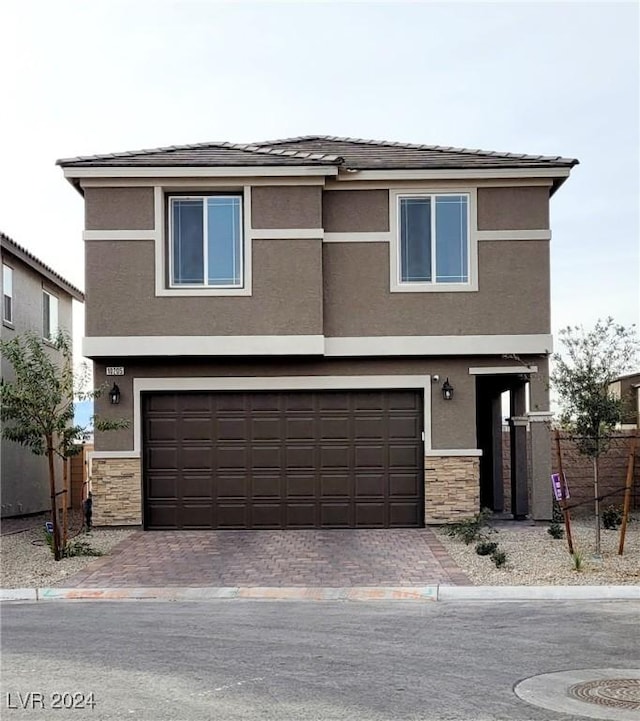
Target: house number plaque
<point>115,370</point>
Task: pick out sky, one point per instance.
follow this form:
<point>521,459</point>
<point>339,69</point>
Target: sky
<point>552,78</point>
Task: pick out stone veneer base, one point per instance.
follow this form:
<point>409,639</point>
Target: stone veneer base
<point>452,488</point>
<point>116,487</point>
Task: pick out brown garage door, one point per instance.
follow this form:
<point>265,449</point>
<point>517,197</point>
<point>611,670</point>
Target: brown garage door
<point>343,459</point>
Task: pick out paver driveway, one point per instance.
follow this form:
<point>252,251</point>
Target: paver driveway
<point>334,559</point>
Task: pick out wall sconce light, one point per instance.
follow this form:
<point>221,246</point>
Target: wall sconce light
<point>114,395</point>
<point>447,390</point>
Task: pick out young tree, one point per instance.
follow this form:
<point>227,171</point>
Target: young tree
<point>37,406</point>
<point>582,375</point>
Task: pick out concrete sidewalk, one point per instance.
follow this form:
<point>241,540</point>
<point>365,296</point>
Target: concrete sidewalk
<point>351,593</point>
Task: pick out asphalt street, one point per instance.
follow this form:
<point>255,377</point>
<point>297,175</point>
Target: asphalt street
<point>285,660</point>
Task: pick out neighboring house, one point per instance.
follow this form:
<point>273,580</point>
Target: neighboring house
<point>288,318</point>
<point>34,298</point>
<point>627,388</point>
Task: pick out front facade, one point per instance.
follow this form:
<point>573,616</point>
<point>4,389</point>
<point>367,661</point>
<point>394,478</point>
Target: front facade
<point>34,298</point>
<point>284,322</point>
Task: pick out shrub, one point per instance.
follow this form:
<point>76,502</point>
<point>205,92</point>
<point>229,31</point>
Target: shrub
<point>611,517</point>
<point>578,559</point>
<point>73,548</point>
<point>499,558</point>
<point>470,529</point>
<point>555,530</point>
<point>486,548</point>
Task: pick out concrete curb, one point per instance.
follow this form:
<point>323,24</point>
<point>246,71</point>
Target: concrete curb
<point>355,593</point>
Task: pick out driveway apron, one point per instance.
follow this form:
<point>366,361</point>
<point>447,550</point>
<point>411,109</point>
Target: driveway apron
<point>308,558</point>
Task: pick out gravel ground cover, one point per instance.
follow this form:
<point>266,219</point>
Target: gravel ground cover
<point>534,558</point>
<point>26,560</point>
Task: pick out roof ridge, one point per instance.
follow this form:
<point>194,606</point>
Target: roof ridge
<point>252,148</point>
<point>11,242</point>
<point>413,146</point>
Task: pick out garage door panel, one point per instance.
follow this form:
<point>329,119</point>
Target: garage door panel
<point>334,459</point>
<point>194,486</point>
<point>404,484</point>
<point>228,458</point>
<point>370,484</point>
<point>335,428</point>
<point>370,456</point>
<point>266,429</point>
<point>370,515</point>
<point>232,515</point>
<point>335,515</point>
<point>196,458</point>
<point>159,458</point>
<point>298,484</point>
<point>301,515</point>
<point>404,428</point>
<point>163,486</point>
<point>300,456</point>
<point>300,428</point>
<point>335,485</point>
<point>266,515</point>
<point>402,515</point>
<point>404,456</point>
<point>264,486</point>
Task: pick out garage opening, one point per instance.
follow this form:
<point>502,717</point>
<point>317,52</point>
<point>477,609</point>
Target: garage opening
<point>317,459</point>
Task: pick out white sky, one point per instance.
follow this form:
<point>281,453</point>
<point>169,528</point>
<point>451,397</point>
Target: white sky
<point>557,78</point>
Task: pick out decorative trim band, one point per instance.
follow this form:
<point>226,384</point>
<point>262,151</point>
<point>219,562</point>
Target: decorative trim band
<point>357,237</point>
<point>203,345</point>
<point>455,452</point>
<point>119,234</point>
<point>514,235</point>
<point>500,370</point>
<point>285,233</point>
<point>439,345</point>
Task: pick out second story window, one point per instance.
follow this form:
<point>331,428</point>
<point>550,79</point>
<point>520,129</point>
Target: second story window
<point>49,316</point>
<point>205,238</point>
<point>7,293</point>
<point>433,238</point>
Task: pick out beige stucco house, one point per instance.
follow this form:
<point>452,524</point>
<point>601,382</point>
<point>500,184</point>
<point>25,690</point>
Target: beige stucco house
<point>34,298</point>
<point>316,332</point>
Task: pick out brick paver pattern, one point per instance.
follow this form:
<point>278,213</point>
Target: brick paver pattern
<point>332,559</point>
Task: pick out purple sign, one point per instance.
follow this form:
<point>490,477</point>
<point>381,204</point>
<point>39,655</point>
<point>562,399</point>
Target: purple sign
<point>557,490</point>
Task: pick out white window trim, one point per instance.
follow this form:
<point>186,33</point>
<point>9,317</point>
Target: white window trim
<point>205,245</point>
<point>162,250</point>
<point>10,294</point>
<point>396,286</point>
<point>53,332</point>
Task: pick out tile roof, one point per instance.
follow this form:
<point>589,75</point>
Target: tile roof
<point>323,150</point>
<point>30,259</point>
<point>206,154</point>
<point>364,154</point>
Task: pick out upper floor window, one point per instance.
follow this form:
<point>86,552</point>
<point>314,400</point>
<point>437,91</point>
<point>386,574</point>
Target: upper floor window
<point>7,293</point>
<point>205,241</point>
<point>434,238</point>
<point>49,316</point>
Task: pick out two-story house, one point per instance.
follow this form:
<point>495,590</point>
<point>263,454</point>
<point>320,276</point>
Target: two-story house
<point>316,332</point>
<point>34,298</point>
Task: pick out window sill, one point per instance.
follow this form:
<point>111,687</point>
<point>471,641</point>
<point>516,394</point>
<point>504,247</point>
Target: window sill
<point>8,324</point>
<point>470,287</point>
<point>202,292</point>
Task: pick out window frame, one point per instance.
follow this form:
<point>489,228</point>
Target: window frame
<point>170,198</point>
<point>397,285</point>
<point>51,337</point>
<point>9,321</point>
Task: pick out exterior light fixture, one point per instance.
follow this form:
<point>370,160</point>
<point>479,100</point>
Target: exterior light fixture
<point>114,395</point>
<point>447,390</point>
